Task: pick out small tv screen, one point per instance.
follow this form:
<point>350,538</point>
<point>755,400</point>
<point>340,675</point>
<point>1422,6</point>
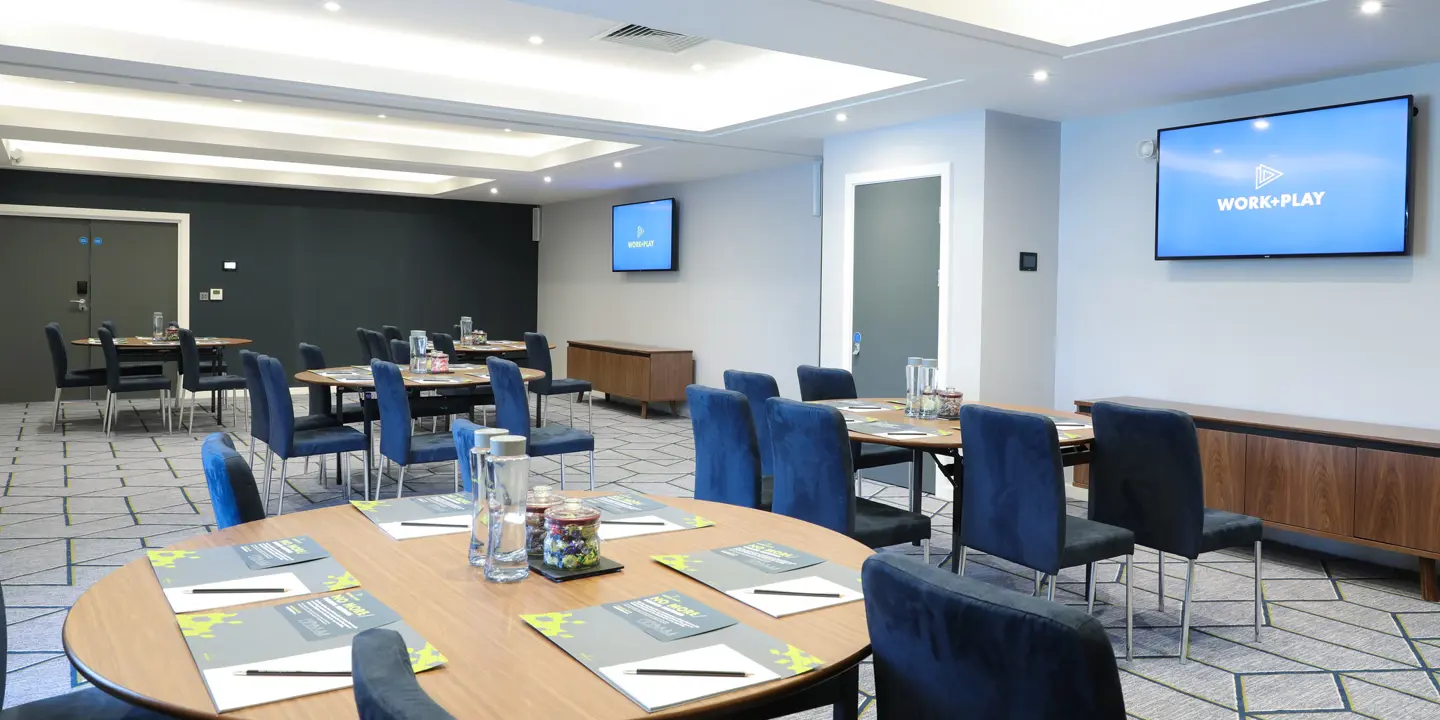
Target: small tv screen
<point>1327,181</point>
<point>643,236</point>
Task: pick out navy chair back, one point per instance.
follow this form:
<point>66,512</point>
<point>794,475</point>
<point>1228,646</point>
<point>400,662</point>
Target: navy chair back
<point>1146,476</point>
<point>110,325</point>
<point>399,352</point>
<point>462,431</point>
<point>282,410</point>
<point>758,388</point>
<point>59,360</point>
<point>444,343</point>
<point>1014,496</point>
<point>189,360</point>
<point>817,383</point>
<point>313,358</point>
<point>233,492</point>
<point>112,358</point>
<point>727,457</point>
<point>511,412</point>
<point>943,643</point>
<point>385,684</point>
<point>255,388</point>
<point>814,470</point>
<point>390,332</point>
<point>457,333</point>
<point>361,335</point>
<point>537,356</point>
<point>379,346</point>
<point>394,411</point>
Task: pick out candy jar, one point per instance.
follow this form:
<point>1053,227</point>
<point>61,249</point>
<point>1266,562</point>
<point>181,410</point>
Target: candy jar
<point>537,502</point>
<point>572,536</point>
<point>439,362</point>
<point>950,401</point>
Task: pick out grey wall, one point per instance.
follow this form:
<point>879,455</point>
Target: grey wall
<point>747,293</point>
<point>315,264</point>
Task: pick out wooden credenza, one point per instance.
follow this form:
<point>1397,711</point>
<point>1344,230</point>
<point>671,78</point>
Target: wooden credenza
<point>640,372</point>
<point>1375,485</point>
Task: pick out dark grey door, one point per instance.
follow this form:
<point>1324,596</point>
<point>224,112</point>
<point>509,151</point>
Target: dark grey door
<point>43,259</point>
<point>133,266</point>
<point>897,295</point>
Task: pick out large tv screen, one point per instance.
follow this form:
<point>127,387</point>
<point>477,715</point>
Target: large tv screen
<point>643,236</point>
<point>1327,181</point>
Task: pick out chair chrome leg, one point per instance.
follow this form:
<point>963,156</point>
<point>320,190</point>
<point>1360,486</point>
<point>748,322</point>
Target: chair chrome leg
<point>457,475</point>
<point>964,551</point>
<point>1185,614</point>
<point>280,507</point>
<point>1162,581</point>
<point>570,414</point>
<point>1129,608</point>
<point>307,466</point>
<point>193,402</point>
<point>1259,593</point>
<point>345,471</point>
<point>1050,594</point>
<point>269,468</point>
<point>1090,589</point>
<point>400,486</point>
<point>1039,577</point>
<point>252,451</point>
<point>562,473</point>
<point>592,469</point>
<point>926,545</point>
<point>55,416</point>
<point>590,413</point>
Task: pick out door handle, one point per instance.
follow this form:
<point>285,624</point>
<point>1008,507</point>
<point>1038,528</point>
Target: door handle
<point>80,304</point>
<point>855,344</point>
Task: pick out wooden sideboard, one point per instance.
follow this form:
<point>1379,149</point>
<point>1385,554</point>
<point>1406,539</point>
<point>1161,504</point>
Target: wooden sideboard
<point>640,372</point>
<point>1375,485</point>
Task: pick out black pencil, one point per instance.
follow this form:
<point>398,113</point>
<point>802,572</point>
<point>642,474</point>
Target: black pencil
<point>689,673</point>
<point>222,591</point>
<point>795,593</point>
<point>632,522</point>
<point>293,673</point>
<point>430,524</point>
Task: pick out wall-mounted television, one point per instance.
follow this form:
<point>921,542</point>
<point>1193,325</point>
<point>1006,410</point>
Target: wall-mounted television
<point>643,236</point>
<point>1321,182</point>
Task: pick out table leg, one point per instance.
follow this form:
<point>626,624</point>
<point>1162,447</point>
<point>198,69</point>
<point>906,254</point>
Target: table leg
<point>644,409</point>
<point>1428,586</point>
<point>369,438</point>
<point>847,695</point>
<point>917,478</point>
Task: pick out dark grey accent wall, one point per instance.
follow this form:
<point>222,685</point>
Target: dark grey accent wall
<point>315,264</point>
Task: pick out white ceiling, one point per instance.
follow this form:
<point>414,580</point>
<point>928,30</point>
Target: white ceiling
<point>473,109</point>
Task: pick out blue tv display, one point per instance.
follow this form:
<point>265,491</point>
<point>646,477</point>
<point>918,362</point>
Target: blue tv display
<point>1327,181</point>
<point>643,236</point>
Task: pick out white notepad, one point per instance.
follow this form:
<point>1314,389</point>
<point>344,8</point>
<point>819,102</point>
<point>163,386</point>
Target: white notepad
<point>406,532</point>
<point>656,692</point>
<point>232,692</point>
<point>611,531</point>
<point>181,601</point>
<point>782,605</point>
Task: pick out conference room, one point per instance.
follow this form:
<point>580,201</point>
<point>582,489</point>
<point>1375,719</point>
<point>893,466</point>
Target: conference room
<point>1006,359</point>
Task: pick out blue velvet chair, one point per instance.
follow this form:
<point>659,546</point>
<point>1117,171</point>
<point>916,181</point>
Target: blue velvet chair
<point>363,336</point>
<point>233,493</point>
<point>390,332</point>
<point>817,383</point>
<point>88,704</point>
<point>260,409</point>
<point>116,382</point>
<point>399,352</point>
<point>951,647</point>
<point>93,377</point>
<point>537,351</point>
<point>513,414</point>
<point>397,444</point>
<point>379,346</point>
<point>1146,477</point>
<point>385,685</point>
<point>815,476</point>
<point>758,388</point>
<point>193,382</point>
<point>1014,504</point>
<point>313,358</point>
<point>286,442</point>
<point>727,456</point>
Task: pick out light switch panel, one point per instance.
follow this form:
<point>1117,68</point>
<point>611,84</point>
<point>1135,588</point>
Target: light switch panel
<point>204,296</point>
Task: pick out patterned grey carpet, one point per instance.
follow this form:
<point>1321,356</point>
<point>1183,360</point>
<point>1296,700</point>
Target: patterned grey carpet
<point>1342,639</point>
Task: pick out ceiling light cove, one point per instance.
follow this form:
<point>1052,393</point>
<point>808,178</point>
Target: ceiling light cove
<point>1040,76</point>
<point>465,60</point>
<point>1372,7</point>
<point>1071,22</point>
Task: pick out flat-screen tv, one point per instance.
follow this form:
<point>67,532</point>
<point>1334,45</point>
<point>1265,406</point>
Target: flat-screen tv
<point>1321,182</point>
<point>643,236</point>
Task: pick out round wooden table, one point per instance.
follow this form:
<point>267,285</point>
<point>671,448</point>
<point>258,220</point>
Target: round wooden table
<point>160,346</point>
<point>122,636</point>
<point>493,347</point>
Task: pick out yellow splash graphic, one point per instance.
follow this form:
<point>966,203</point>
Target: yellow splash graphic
<point>796,660</point>
<point>202,624</point>
<point>552,625</point>
<point>425,658</point>
<point>696,521</point>
<point>340,582</point>
<point>369,505</point>
<point>682,563</point>
<point>167,558</point>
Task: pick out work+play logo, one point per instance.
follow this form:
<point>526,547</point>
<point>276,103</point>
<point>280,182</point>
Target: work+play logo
<point>1264,175</point>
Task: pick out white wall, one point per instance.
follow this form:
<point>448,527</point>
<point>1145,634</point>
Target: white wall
<point>1348,338</point>
<point>1022,200</point>
<point>747,295</point>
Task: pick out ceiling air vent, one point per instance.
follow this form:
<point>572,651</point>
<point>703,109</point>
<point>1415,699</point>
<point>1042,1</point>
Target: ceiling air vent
<point>651,39</point>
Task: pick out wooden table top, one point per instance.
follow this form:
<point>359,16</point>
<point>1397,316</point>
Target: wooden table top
<point>122,636</point>
<point>135,343</point>
<point>1078,436</point>
<point>464,378</point>
<point>494,347</point>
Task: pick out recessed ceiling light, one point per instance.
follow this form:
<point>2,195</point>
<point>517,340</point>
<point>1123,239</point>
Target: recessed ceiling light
<point>382,117</point>
<point>1262,124</point>
<point>1041,75</point>
<point>507,129</point>
<point>1217,151</point>
<point>494,191</point>
<point>236,100</point>
<point>841,117</point>
<point>537,40</point>
<point>547,178</point>
<point>619,164</point>
<point>332,6</point>
<point>1371,7</point>
<point>70,82</point>
<point>698,67</point>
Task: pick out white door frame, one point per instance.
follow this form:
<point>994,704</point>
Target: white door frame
<point>847,284</point>
<point>180,220</point>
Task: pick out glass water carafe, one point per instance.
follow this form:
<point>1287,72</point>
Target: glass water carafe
<point>912,386</point>
<point>479,491</point>
<point>466,327</point>
<point>506,557</point>
<point>419,352</point>
<point>929,381</point>
<point>157,326</point>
